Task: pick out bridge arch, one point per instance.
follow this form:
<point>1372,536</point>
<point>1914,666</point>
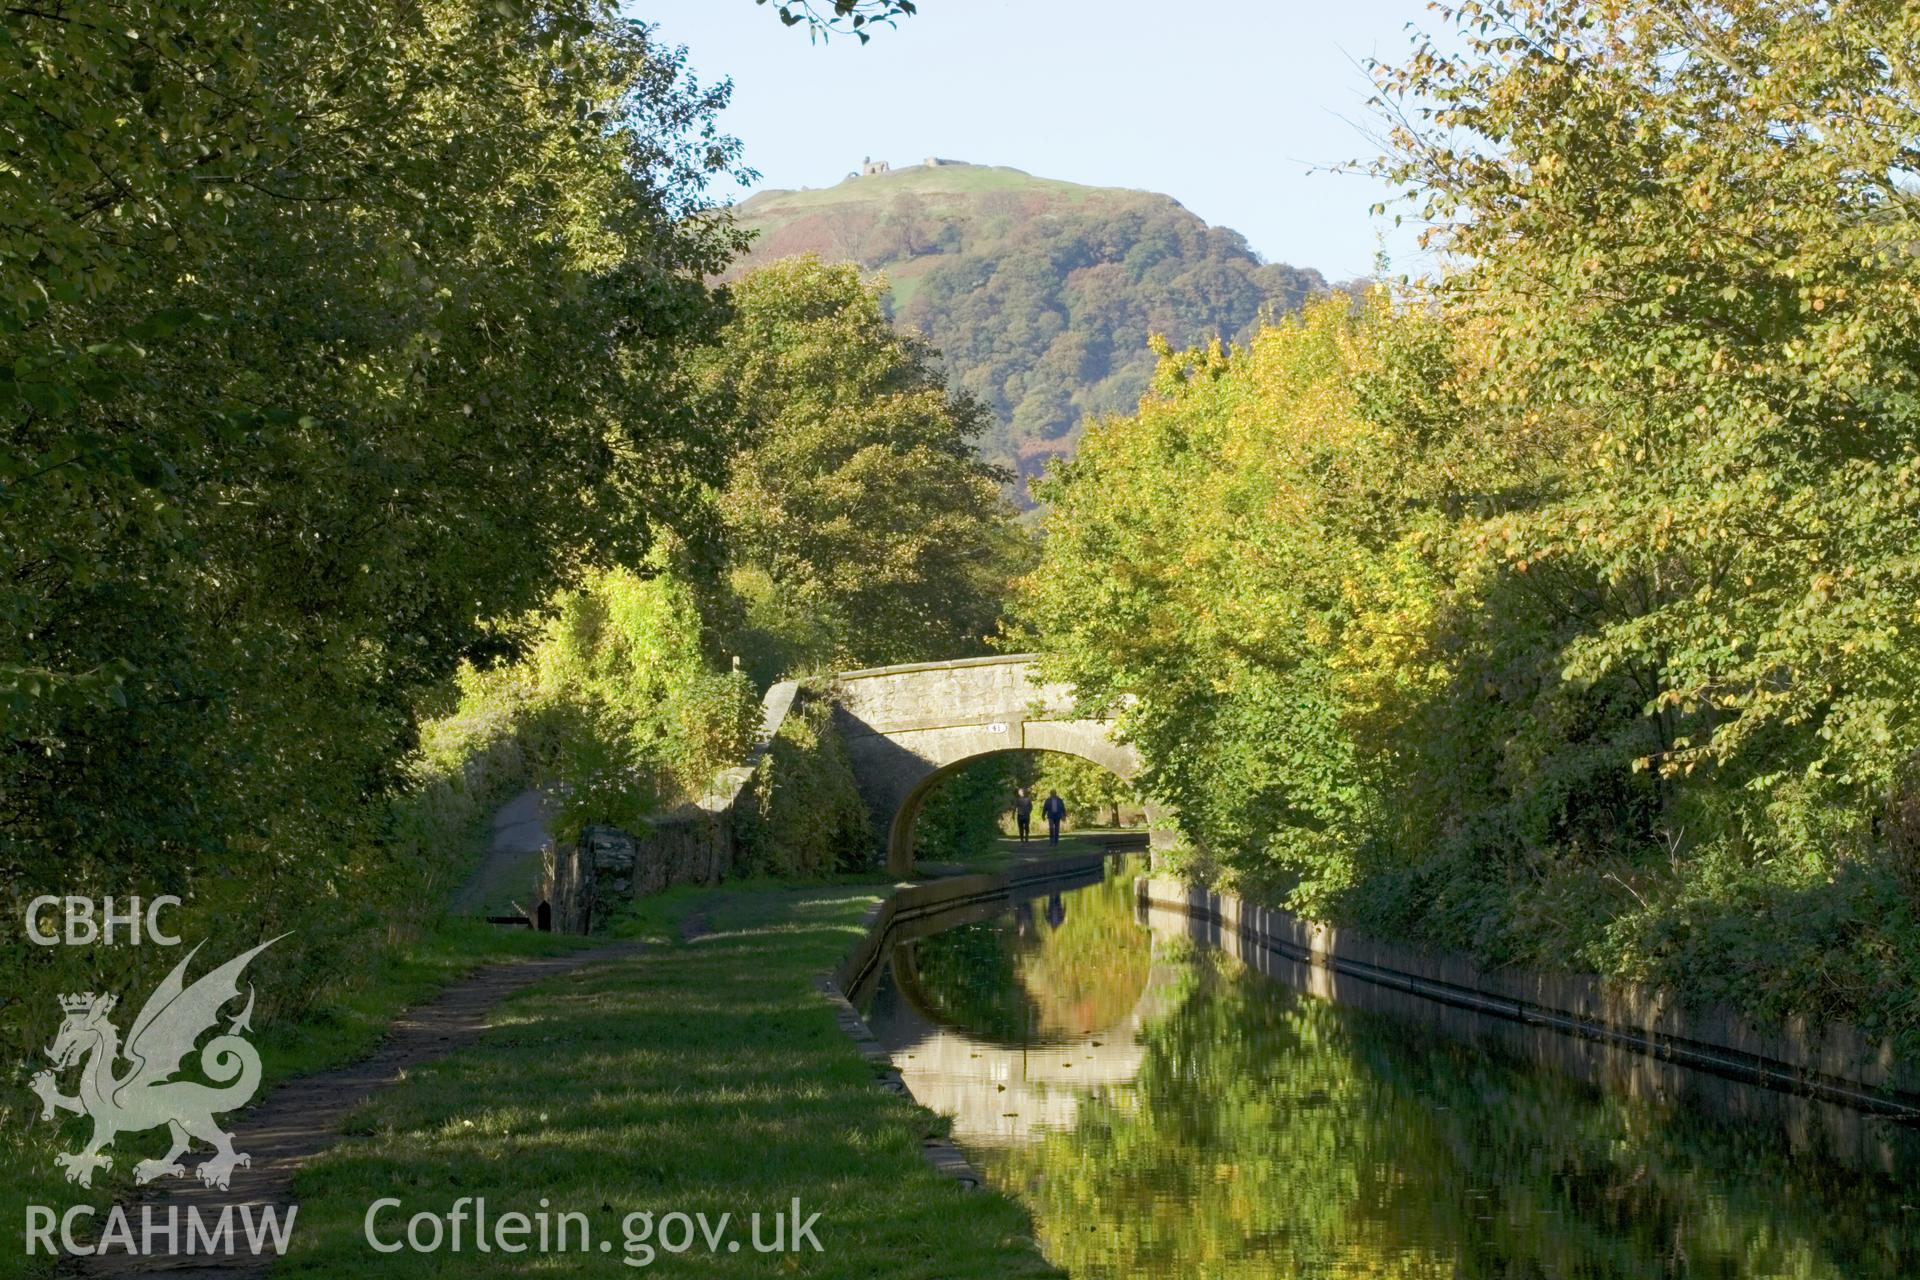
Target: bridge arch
<point>900,835</point>
<point>905,727</point>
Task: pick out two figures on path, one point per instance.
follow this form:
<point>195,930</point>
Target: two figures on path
<point>1054,810</point>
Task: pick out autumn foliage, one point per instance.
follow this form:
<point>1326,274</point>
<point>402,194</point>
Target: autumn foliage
<point>1562,606</point>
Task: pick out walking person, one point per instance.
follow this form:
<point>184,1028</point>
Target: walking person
<point>1055,812</point>
<point>1023,812</point>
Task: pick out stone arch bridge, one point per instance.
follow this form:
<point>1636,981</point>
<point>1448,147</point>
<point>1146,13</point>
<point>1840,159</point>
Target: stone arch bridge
<point>906,727</point>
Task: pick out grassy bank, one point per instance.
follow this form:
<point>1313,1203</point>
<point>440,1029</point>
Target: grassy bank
<point>703,1076</point>
<point>334,1030</point>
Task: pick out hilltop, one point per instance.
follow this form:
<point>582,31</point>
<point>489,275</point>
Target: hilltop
<point>1040,294</point>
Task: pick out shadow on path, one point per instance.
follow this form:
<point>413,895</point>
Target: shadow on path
<point>303,1117</point>
<point>522,830</point>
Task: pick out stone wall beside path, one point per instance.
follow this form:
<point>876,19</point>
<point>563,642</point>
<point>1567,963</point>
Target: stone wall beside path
<point>695,843</point>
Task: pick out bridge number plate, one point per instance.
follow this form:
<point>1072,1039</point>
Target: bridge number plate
<point>998,726</point>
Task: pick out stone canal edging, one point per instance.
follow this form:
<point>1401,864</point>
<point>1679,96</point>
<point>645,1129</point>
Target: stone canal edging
<point>933,897</point>
<point>883,921</point>
<point>1835,1063</point>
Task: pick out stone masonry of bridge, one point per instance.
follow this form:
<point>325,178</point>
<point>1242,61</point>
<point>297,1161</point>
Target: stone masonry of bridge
<point>906,727</point>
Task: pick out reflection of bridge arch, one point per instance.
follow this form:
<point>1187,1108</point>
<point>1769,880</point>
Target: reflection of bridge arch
<point>998,1092</point>
<point>906,727</point>
<point>904,961</point>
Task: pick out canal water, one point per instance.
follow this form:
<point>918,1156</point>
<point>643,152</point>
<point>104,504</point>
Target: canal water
<point>1167,1104</point>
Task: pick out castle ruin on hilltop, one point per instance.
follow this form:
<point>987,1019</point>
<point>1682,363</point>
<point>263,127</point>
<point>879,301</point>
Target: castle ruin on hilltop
<point>871,168</point>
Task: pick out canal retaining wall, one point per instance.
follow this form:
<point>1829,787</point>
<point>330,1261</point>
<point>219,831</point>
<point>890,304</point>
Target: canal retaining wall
<point>891,919</point>
<point>1835,1063</point>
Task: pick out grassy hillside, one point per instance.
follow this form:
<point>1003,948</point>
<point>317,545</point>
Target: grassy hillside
<point>1040,294</point>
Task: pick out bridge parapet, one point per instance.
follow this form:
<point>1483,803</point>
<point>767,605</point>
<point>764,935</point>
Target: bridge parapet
<point>943,694</point>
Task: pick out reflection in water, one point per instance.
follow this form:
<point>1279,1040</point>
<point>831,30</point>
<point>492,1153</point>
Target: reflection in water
<point>1166,1110</point>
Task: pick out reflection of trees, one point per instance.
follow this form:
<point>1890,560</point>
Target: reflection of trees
<point>1087,974</point>
<point>966,978</point>
<point>1012,983</point>
<point>1269,1136</point>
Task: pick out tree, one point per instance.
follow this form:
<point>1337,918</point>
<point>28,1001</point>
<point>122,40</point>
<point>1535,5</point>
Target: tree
<point>616,708</point>
<point>828,17</point>
<point>1215,541</point>
<point>329,333</point>
<point>863,528</point>
<point>1565,610</point>
<point>1684,239</point>
<point>1094,795</point>
<point>1039,295</point>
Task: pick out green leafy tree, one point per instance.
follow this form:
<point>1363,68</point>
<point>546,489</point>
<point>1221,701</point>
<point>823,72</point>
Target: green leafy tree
<point>862,527</point>
<point>1196,567</point>
<point>1705,259</point>
<point>802,813</point>
<point>1685,244</point>
<point>960,815</point>
<point>327,333</point>
<point>1567,612</point>
<point>1093,794</point>
<point>616,707</point>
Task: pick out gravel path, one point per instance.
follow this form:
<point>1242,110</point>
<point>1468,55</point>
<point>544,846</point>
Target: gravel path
<point>522,828</point>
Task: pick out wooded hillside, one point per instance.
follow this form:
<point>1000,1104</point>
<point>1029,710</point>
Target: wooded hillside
<point>1039,294</point>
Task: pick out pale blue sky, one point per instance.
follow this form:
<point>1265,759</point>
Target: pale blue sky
<point>1235,108</point>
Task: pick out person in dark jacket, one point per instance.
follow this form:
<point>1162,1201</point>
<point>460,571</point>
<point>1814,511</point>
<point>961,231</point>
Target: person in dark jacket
<point>1055,812</point>
<point>1023,812</point>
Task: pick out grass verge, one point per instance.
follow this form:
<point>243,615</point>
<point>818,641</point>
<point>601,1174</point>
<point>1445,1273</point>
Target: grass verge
<point>334,1030</point>
<point>699,1077</point>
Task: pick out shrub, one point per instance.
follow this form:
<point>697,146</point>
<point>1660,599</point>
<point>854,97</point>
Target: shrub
<point>801,814</point>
